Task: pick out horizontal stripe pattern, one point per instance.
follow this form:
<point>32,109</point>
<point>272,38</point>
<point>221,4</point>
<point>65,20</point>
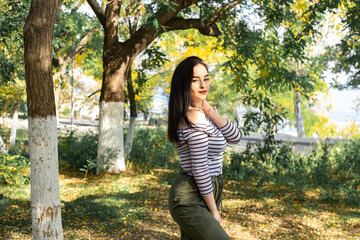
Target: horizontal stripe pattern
<point>201,150</point>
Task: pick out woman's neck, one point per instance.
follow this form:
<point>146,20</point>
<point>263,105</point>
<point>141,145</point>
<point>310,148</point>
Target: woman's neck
<point>197,104</point>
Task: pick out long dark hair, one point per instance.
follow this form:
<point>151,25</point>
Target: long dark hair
<point>180,98</point>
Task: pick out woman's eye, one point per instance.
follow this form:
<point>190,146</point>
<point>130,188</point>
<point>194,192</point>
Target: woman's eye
<point>194,80</point>
<point>207,79</point>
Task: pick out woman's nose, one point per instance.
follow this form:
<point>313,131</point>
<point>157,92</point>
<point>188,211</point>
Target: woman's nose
<point>201,83</point>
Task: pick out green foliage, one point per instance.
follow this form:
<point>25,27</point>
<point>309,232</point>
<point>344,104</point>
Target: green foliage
<point>152,149</point>
<point>14,169</point>
<point>271,54</point>
<point>77,150</point>
<point>343,166</point>
<point>333,171</point>
<point>13,14</point>
<point>347,52</point>
<point>265,115</point>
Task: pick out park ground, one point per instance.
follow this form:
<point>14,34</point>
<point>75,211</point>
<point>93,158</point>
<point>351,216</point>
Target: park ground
<point>134,206</point>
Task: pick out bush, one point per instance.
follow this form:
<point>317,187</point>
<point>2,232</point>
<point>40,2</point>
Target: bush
<point>152,149</point>
<point>278,164</point>
<point>14,169</point>
<point>76,149</point>
<point>342,166</point>
<point>333,170</point>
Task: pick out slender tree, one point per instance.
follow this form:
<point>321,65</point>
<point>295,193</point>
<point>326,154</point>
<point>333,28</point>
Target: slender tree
<point>299,119</point>
<point>14,123</point>
<point>3,148</point>
<point>45,196</point>
<point>133,115</point>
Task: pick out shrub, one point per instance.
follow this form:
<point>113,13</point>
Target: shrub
<point>77,149</point>
<point>151,149</point>
<point>14,169</point>
<point>273,164</point>
<point>333,170</point>
<point>343,173</point>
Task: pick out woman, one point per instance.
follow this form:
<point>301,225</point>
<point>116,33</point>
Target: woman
<point>201,136</point>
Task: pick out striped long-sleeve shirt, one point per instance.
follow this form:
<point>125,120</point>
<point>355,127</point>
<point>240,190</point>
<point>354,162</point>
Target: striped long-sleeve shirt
<point>201,150</point>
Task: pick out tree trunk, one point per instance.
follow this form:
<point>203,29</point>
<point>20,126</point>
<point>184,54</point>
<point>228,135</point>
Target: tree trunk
<point>45,195</point>
<point>133,115</point>
<point>14,124</point>
<point>3,148</point>
<point>72,81</point>
<point>116,63</point>
<point>130,136</point>
<point>111,140</point>
<point>111,151</point>
<point>298,115</point>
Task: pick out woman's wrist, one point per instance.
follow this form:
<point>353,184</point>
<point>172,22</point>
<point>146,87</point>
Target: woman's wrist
<point>211,112</point>
<point>208,111</point>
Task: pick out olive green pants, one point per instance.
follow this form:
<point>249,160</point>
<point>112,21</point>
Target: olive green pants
<point>190,212</point>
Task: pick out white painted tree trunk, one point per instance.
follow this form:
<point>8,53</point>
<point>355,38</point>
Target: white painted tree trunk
<point>298,115</point>
<point>14,124</point>
<point>130,137</point>
<point>3,148</point>
<point>45,197</point>
<point>111,152</point>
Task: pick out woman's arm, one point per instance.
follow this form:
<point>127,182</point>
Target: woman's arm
<point>210,203</point>
<point>214,115</point>
<point>198,144</point>
<point>230,132</point>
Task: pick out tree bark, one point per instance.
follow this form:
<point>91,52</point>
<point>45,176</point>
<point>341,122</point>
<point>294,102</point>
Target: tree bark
<point>298,115</point>
<point>45,195</point>
<point>14,124</point>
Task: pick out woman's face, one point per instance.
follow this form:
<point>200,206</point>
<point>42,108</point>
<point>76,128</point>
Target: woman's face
<point>200,84</point>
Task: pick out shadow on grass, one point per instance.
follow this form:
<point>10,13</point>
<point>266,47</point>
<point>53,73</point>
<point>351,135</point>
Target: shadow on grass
<point>15,217</point>
<point>105,216</point>
<point>111,215</point>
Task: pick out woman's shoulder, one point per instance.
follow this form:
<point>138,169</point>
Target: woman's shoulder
<point>196,116</point>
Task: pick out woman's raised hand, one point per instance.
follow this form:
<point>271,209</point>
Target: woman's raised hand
<point>206,107</point>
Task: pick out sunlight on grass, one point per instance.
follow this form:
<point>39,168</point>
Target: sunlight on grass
<point>264,217</point>
<point>134,206</point>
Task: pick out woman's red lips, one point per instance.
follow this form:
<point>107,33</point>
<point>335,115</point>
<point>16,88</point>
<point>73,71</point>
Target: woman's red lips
<point>203,92</point>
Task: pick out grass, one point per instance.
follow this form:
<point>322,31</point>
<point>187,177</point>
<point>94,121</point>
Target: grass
<point>134,206</point>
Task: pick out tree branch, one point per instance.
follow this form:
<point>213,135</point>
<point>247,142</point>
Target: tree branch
<point>221,11</point>
<point>204,27</point>
<point>146,34</point>
<point>177,6</point>
<point>111,27</point>
<point>77,7</point>
<point>98,11</point>
<point>137,16</point>
<point>97,91</point>
<point>64,61</point>
<point>79,47</point>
